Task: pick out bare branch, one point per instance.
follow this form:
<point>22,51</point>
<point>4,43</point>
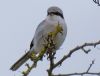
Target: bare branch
<point>97,2</point>
<point>51,57</point>
<point>81,74</point>
<point>76,49</point>
<point>53,66</point>
<point>25,73</point>
<point>90,66</point>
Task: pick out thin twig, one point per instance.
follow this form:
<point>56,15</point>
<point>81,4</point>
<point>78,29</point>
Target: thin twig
<point>90,66</point>
<point>81,74</point>
<point>25,73</point>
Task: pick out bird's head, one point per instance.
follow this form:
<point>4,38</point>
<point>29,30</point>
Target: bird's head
<point>55,11</point>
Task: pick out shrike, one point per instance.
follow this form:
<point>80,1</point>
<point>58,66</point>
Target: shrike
<point>54,15</point>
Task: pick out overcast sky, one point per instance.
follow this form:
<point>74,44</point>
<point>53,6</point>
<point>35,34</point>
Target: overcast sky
<point>19,19</point>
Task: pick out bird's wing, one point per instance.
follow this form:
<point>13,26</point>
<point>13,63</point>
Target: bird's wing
<point>37,32</point>
<point>32,43</point>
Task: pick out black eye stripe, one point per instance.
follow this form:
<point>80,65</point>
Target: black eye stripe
<point>56,13</point>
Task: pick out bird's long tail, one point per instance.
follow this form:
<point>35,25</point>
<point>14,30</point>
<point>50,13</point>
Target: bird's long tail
<point>20,62</point>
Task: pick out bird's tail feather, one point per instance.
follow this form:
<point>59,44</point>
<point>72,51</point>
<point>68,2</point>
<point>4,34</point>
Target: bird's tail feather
<point>20,62</point>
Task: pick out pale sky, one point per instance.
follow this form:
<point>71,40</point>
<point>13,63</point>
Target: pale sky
<point>19,19</point>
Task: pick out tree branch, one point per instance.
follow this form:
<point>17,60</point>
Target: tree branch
<point>90,66</point>
<point>51,57</point>
<point>81,74</point>
<point>76,49</point>
<point>97,2</point>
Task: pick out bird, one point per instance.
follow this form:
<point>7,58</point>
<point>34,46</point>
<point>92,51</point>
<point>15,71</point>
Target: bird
<point>54,16</point>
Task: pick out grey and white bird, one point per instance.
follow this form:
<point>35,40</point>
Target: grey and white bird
<point>54,15</point>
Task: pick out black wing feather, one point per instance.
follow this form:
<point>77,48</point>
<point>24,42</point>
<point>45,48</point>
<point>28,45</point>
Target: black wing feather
<point>32,44</point>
